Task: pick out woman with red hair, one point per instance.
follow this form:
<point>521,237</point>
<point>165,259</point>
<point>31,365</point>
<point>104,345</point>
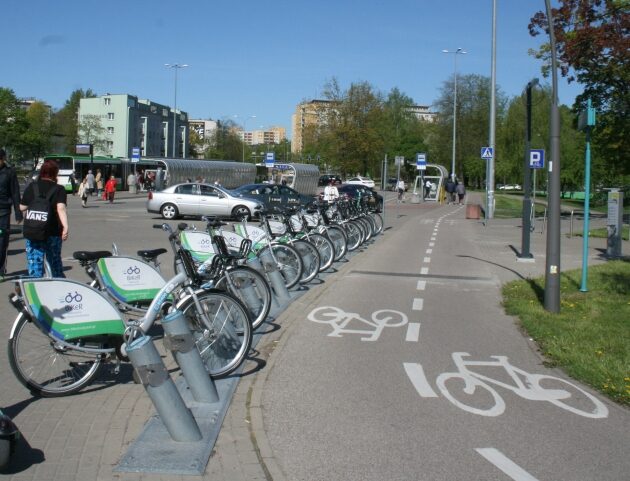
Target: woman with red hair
<point>47,243</point>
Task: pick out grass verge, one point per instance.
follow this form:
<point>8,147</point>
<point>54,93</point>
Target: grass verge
<point>590,337</point>
<point>603,232</point>
<point>508,206</point>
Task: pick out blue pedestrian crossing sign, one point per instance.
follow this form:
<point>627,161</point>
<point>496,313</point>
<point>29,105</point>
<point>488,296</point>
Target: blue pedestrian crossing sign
<point>536,159</point>
<point>270,158</point>
<point>486,153</point>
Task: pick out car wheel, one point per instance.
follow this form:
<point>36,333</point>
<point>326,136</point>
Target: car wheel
<point>169,211</point>
<point>241,212</point>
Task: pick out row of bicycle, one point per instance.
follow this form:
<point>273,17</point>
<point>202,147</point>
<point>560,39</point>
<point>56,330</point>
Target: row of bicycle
<point>225,284</point>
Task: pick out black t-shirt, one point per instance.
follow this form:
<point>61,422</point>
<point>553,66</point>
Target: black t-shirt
<point>53,226</point>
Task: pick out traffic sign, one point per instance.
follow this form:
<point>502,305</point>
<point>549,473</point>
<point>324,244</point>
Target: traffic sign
<point>399,160</point>
<point>421,161</point>
<point>536,159</point>
<point>486,153</point>
<point>135,154</point>
<point>270,158</point>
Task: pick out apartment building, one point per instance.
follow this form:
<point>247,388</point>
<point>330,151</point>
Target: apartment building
<point>307,114</point>
<point>132,122</point>
<point>273,135</point>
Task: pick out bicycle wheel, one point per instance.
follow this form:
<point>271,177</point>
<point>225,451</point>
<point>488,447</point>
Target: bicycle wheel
<point>486,400</point>
<point>289,263</point>
<point>310,260</point>
<point>325,248</point>
<point>568,396</point>
<point>361,228</point>
<point>252,289</point>
<point>222,330</point>
<point>367,228</point>
<point>45,366</point>
<point>378,222</point>
<point>353,234</point>
<point>339,240</point>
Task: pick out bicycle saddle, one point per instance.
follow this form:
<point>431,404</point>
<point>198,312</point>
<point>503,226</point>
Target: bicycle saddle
<point>90,255</point>
<point>151,253</point>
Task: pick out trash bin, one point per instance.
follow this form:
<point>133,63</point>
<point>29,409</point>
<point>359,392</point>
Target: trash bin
<point>473,211</point>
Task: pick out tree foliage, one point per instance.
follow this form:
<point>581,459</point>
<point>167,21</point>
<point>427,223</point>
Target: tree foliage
<point>593,46</point>
<point>65,122</point>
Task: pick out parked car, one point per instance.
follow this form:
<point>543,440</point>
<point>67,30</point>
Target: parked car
<point>360,180</point>
<point>326,178</point>
<point>273,194</point>
<point>197,199</point>
<point>510,187</point>
<point>353,190</point>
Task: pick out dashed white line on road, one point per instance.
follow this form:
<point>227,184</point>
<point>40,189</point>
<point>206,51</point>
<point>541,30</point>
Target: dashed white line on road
<point>422,285</point>
<point>426,260</point>
<point>418,304</point>
<point>424,271</point>
<point>413,332</point>
<point>433,238</point>
<point>429,251</point>
<point>431,244</point>
<point>418,379</point>
<point>505,464</point>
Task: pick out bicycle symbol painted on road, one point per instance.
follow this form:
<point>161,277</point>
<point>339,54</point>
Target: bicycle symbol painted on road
<point>472,391</point>
<point>339,321</point>
<point>76,297</point>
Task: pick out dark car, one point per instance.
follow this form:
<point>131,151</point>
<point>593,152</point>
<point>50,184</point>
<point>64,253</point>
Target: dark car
<point>326,178</point>
<point>273,195</point>
<point>354,190</point>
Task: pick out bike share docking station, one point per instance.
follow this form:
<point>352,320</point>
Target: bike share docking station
<point>180,437</point>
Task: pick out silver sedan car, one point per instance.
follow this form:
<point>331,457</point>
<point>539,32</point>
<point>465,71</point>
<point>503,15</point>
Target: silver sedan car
<point>194,199</point>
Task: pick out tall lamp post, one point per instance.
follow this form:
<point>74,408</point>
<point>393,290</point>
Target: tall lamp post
<point>176,67</point>
<point>244,124</point>
<point>455,53</point>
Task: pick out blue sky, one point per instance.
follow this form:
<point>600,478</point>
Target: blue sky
<point>260,58</point>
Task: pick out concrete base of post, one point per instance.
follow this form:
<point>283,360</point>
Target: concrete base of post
<point>170,406</point>
<point>276,281</point>
<point>180,341</point>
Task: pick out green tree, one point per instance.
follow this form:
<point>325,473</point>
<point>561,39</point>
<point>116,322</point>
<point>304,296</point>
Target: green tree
<point>13,123</point>
<point>36,140</point>
<point>593,47</point>
<point>225,144</point>
<point>65,122</point>
<point>91,131</point>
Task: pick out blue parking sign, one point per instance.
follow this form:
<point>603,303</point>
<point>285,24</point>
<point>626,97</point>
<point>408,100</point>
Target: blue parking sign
<point>270,158</point>
<point>536,159</point>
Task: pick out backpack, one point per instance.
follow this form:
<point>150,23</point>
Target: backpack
<point>37,214</point>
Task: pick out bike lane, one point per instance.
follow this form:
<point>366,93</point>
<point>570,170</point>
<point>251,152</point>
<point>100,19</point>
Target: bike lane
<point>355,397</point>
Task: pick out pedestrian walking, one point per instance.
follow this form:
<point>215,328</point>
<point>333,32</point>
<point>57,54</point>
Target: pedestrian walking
<point>91,182</point>
<point>110,189</point>
<point>73,183</point>
<point>83,192</point>
<point>400,186</point>
<point>461,192</point>
<point>450,190</point>
<point>331,193</point>
<point>44,240</point>
<point>98,179</point>
<point>427,188</point>
<point>9,198</point>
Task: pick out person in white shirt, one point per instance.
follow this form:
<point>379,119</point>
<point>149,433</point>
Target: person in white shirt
<point>331,193</point>
<point>400,186</point>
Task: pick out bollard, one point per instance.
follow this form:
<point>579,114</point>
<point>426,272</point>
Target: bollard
<point>179,340</point>
<point>275,277</point>
<point>247,289</point>
<point>170,406</point>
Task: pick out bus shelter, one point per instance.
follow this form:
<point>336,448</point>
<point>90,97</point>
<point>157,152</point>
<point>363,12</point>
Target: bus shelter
<point>429,186</point>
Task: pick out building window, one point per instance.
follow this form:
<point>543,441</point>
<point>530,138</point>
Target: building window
<point>110,116</point>
<point>107,101</point>
<point>110,145</point>
<point>110,130</point>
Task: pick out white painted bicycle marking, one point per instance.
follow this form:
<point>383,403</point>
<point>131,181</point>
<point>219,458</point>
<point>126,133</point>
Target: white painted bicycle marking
<point>339,321</point>
<point>505,464</point>
<point>413,332</point>
<point>526,385</point>
<point>418,379</point>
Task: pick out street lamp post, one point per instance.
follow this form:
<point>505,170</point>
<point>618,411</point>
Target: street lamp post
<point>176,67</point>
<point>244,124</point>
<point>455,53</point>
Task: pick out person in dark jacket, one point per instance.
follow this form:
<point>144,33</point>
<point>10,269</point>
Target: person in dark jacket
<point>9,197</point>
<point>450,190</point>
